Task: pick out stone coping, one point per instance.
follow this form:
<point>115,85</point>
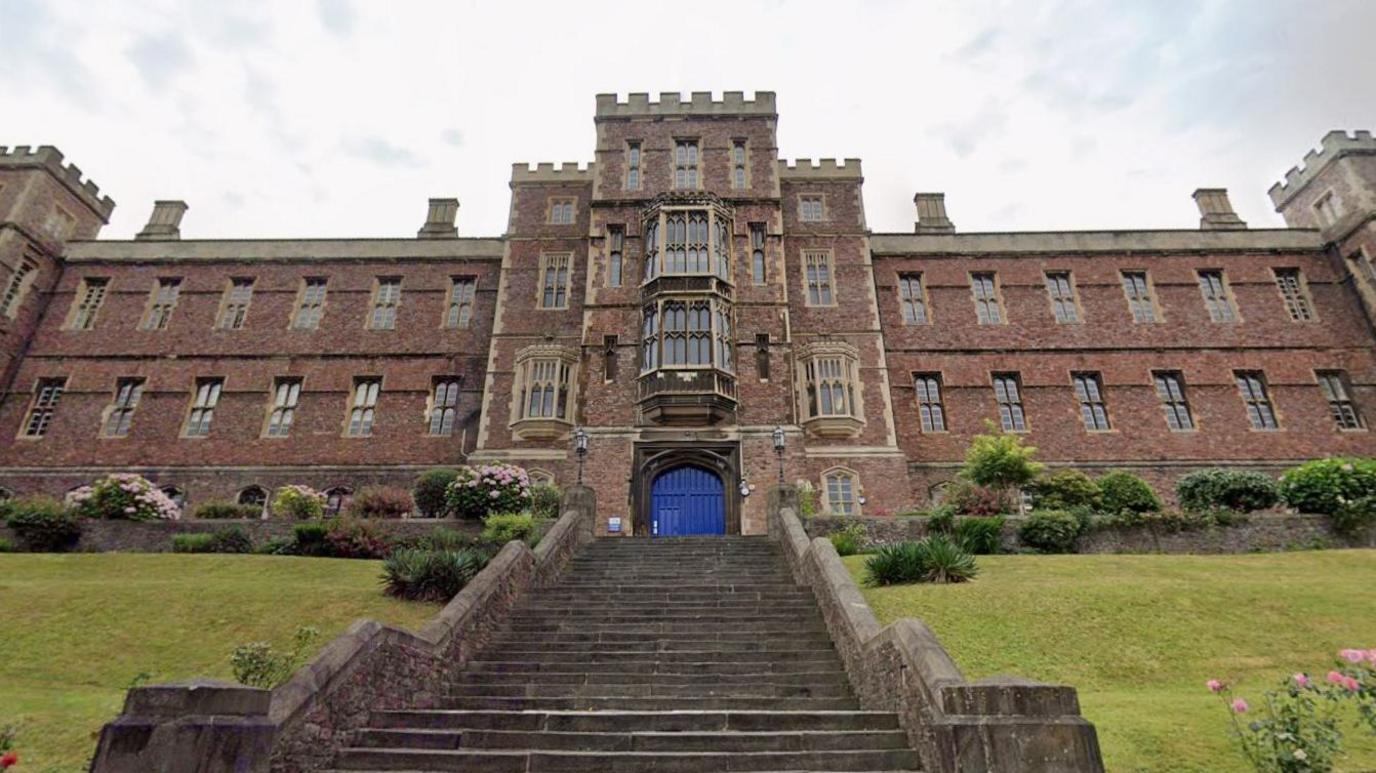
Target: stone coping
<point>1078,242</point>
<point>1000,724</point>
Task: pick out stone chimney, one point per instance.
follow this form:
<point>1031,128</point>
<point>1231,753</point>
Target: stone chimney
<point>931,214</point>
<point>165,222</point>
<point>439,223</point>
<point>1216,212</point>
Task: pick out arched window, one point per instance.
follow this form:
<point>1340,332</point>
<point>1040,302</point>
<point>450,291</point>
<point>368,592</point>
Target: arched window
<point>335,500</point>
<point>841,487</point>
<point>828,389</point>
<point>177,496</point>
<point>255,496</point>
<point>651,250</point>
<point>541,478</point>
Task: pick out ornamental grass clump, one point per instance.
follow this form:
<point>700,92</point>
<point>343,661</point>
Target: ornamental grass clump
<point>489,488</point>
<point>430,575</point>
<point>298,502</point>
<point>124,496</point>
<point>935,559</point>
<point>850,540</point>
<point>982,536</point>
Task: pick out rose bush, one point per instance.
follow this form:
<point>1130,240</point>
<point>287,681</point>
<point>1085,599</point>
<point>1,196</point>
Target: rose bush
<point>489,488</point>
<point>124,496</point>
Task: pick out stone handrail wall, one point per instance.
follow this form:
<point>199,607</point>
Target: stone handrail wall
<point>1000,724</point>
<point>299,725</point>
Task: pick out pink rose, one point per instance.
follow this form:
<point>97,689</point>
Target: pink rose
<point>1334,677</point>
<point>1240,705</point>
<point>1351,684</point>
<point>1301,680</point>
<point>1353,656</point>
<point>1214,685</point>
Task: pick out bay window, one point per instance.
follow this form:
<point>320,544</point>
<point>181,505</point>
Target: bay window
<point>828,389</point>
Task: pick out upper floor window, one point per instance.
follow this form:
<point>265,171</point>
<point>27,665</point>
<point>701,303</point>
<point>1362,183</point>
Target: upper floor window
<point>462,290</point>
<point>811,208</point>
<point>1061,292</point>
<point>930,410</point>
<point>686,164</point>
<point>561,211</point>
<point>1217,299</point>
<point>829,385</point>
<point>310,305</point>
<point>543,388</point>
<point>444,406</point>
<point>616,244</point>
<point>678,333</point>
<point>738,165</point>
<point>161,304</point>
<point>817,274</point>
<point>1326,209</point>
<point>17,287</point>
<point>1251,385</point>
<point>1295,293</point>
<point>686,243</point>
<point>1334,386</point>
<point>1363,264</point>
<point>87,303</point>
<point>840,487</point>
<point>121,412</point>
<point>912,298</point>
<point>386,299</point>
<point>234,307</point>
<point>554,281</point>
<point>1170,389</point>
<point>1089,391</point>
<point>286,393</point>
<point>363,407</point>
<point>1008,395</point>
<point>203,406</point>
<point>984,288</point>
<point>757,262</point>
<point>1137,288</point>
<point>633,166</point>
<point>46,394</point>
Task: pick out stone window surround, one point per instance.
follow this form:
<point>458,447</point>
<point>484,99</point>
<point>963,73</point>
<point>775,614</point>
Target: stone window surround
<point>1158,314</point>
<point>436,412</point>
<point>542,428</point>
<point>847,425</point>
<point>205,398</point>
<point>233,311</point>
<point>82,315</point>
<point>823,211</point>
<point>1099,400</point>
<point>47,393</point>
<point>743,145</point>
<point>380,304</point>
<point>546,258</point>
<point>1074,299</point>
<point>1325,208</point>
<point>117,419</point>
<point>1227,300</point>
<point>938,405</point>
<point>923,299</point>
<point>1255,393</point>
<point>855,490</point>
<point>1163,377</point>
<point>162,301</point>
<point>718,334</point>
<point>287,406</point>
<point>759,238</point>
<point>635,165</point>
<point>1011,407</point>
<point>1336,402</point>
<point>364,395</point>
<point>656,240</point>
<point>557,206</point>
<point>303,304</point>
<point>1303,303</point>
<point>463,291</point>
<point>693,151</point>
<point>996,300</point>
<point>17,289</point>
<point>830,262</point>
<point>616,254</point>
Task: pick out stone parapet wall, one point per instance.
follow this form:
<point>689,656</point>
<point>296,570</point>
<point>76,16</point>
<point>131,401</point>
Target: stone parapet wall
<point>1260,532</point>
<point>156,536</point>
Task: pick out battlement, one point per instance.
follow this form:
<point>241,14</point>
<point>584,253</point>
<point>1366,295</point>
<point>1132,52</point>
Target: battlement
<point>50,158</point>
<point>1334,145</point>
<point>699,103</point>
<point>568,172</point>
<point>824,169</point>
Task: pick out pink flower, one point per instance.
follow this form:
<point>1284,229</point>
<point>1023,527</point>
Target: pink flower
<point>1351,684</point>
<point>1214,686</point>
<point>1334,677</point>
<point>1240,705</point>
<point>1301,680</point>
<point>1353,656</point>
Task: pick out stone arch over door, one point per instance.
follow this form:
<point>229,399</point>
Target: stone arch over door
<point>651,459</point>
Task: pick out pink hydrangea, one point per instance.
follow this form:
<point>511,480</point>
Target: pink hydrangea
<point>1240,706</point>
<point>1301,680</point>
<point>1352,656</point>
<point>1214,685</point>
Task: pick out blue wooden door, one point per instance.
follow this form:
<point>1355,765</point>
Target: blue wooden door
<point>687,500</point>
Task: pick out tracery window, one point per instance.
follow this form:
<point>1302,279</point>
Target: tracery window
<point>686,164</point>
<point>687,241</point>
<point>829,389</point>
<point>685,332</point>
<point>840,486</point>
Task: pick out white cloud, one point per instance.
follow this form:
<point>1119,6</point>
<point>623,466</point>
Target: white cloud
<point>325,117</point>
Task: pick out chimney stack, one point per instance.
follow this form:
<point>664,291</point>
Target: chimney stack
<point>165,222</point>
<point>931,214</point>
<point>439,222</point>
<point>1216,212</point>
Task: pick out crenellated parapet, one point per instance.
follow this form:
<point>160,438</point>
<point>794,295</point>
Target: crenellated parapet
<point>672,103</point>
<point>1334,145</point>
<point>567,172</point>
<point>824,169</point>
<point>50,158</point>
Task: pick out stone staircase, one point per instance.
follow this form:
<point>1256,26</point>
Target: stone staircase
<point>682,655</point>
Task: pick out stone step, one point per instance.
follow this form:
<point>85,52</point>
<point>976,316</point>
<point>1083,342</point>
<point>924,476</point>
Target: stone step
<point>689,623</point>
<point>621,741</point>
<point>622,636</point>
<point>641,721</point>
<point>685,587</point>
<point>622,703</point>
<point>641,596</point>
<point>729,667</point>
<point>829,676</point>
<point>731,606</point>
<point>699,655</point>
<point>723,648</point>
<point>501,761</point>
<point>722,689</point>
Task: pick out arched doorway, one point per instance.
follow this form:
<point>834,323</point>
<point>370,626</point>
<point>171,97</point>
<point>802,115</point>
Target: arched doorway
<point>687,500</point>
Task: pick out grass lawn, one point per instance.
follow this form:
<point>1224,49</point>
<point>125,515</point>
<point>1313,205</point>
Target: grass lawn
<point>75,630</point>
<point>1139,635</point>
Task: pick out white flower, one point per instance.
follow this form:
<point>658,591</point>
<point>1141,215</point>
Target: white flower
<point>1300,755</point>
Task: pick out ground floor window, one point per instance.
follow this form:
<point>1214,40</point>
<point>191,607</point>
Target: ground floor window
<point>840,486</point>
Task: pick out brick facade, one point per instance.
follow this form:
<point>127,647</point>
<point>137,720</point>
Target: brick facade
<point>824,309</point>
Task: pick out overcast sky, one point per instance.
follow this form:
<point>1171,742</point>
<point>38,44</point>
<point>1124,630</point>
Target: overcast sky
<point>339,118</point>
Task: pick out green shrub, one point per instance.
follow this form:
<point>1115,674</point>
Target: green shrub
<point>6,546</point>
<point>1000,461</point>
<point>257,664</point>
<point>1240,490</point>
<point>355,538</point>
<point>224,541</point>
<point>199,542</point>
<point>298,502</point>
<point>1122,491</point>
<point>942,520</point>
<point>1341,488</point>
<point>309,538</point>
<point>489,488</point>
<point>431,491</point>
<point>126,497</point>
<point>969,498</point>
<point>1065,489</point>
<point>221,510</point>
<point>1050,531</point>
<point>502,528</point>
<point>850,540</point>
<point>1179,520</point>
<point>445,539</point>
<point>545,500</point>
<point>381,502</point>
<point>807,499</point>
<point>979,535</point>
<point>43,524</point>
<point>430,575</point>
<point>935,559</point>
<point>277,546</point>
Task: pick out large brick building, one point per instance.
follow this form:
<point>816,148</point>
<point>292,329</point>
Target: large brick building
<point>681,296</point>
